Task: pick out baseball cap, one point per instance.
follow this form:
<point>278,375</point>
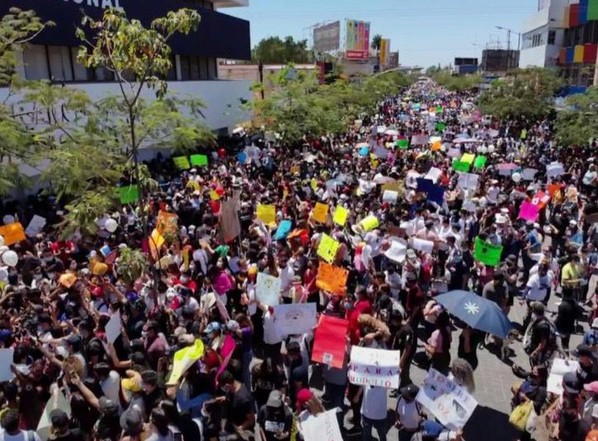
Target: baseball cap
<point>431,429</point>
<point>212,327</point>
<point>583,351</point>
<point>274,399</point>
<point>571,383</point>
<point>409,392</point>
<point>59,418</point>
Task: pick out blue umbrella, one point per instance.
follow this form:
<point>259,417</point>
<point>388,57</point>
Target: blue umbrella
<point>476,311</point>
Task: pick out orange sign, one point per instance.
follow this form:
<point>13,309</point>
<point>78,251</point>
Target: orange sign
<point>12,233</point>
<point>332,279</point>
<point>167,223</point>
<point>320,213</point>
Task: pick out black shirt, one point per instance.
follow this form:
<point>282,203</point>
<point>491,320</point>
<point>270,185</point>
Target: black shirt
<point>540,331</point>
<point>273,421</point>
<point>70,435</point>
<point>239,404</point>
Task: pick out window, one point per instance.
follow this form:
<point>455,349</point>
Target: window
<point>203,68</point>
<point>194,64</point>
<point>212,69</point>
<point>81,72</point>
<point>551,37</point>
<point>61,68</point>
<point>36,63</point>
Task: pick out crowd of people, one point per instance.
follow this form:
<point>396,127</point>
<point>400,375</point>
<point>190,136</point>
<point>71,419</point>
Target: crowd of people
<point>198,289</point>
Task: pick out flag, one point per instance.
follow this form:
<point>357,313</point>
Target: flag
<point>184,359</point>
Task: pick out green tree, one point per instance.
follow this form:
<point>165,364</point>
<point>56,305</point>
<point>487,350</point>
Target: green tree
<point>524,93</point>
<point>456,83</point>
<point>274,50</point>
<point>577,124</point>
<point>376,43</point>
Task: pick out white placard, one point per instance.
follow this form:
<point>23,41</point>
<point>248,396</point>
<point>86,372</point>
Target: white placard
<point>554,169</point>
<point>295,318</point>
<point>450,403</point>
<point>433,174</point>
<point>528,174</point>
<point>374,367</point>
<point>454,152</point>
<point>5,362</point>
<point>267,289</point>
<point>427,246</point>
<point>36,225</point>
<point>113,327</point>
<point>396,252</point>
<point>559,368</point>
<point>390,196</point>
<point>323,427</point>
<point>468,181</point>
<point>411,179</point>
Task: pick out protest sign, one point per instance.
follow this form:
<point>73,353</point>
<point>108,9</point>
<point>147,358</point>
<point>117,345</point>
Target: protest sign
<point>468,181</point>
<point>332,278</point>
<point>294,318</point>
<point>6,360</point>
<point>424,185</point>
<point>12,233</point>
<point>266,213</point>
<point>330,341</point>
<point>182,162</point>
<point>468,158</point>
<point>229,220</point>
<point>487,253</point>
<point>320,213</point>
<point>390,196</point>
<point>67,280</point>
<point>392,186</point>
<point>199,160</point>
<point>396,252</point>
<point>113,327</point>
<point>419,140</point>
<point>450,403</point>
<point>322,427</point>
<point>436,194</point>
<point>402,144</point>
<point>328,248</point>
<point>528,174</point>
<point>156,241</point>
<point>528,211</point>
<point>167,224</point>
<point>374,367</point>
<point>369,223</point>
<point>128,194</point>
<point>340,215</point>
<point>427,246</point>
<point>480,162</point>
<point>558,369</point>
<point>267,289</point>
<point>454,152</point>
<point>283,230</point>
<point>36,225</point>
<point>434,174</point>
<point>461,166</point>
<point>440,126</point>
<point>184,359</point>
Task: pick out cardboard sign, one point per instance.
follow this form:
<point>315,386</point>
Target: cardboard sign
<point>330,341</point>
<point>450,403</point>
<point>320,213</point>
<point>332,279</point>
<point>340,215</point>
<point>427,246</point>
<point>182,162</point>
<point>323,427</point>
<point>12,233</point>
<point>374,367</point>
<point>129,194</point>
<point>67,279</point>
<point>468,181</point>
<point>267,289</point>
<point>328,248</point>
<point>113,327</point>
<point>199,160</point>
<point>266,213</point>
<point>558,369</point>
<point>294,319</point>
<point>36,225</point>
<point>487,253</point>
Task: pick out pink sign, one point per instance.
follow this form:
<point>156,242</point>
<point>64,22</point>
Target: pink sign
<point>528,211</point>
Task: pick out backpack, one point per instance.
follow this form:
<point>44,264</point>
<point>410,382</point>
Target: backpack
<point>552,340</point>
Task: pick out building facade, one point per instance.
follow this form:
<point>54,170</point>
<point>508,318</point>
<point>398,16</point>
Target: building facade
<point>499,60</point>
<point>52,55</point>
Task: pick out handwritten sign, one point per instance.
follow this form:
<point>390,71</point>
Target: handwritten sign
<point>340,215</point>
<point>266,213</point>
<point>529,211</point>
<point>332,278</point>
<point>323,427</point>
<point>374,367</point>
<point>293,319</point>
<point>328,248</point>
<point>320,213</point>
<point>267,289</point>
<point>450,403</point>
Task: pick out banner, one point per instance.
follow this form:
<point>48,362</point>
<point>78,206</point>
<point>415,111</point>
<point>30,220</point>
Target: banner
<point>330,341</point>
<point>184,359</point>
<point>332,278</point>
<point>450,403</point>
<point>323,427</point>
<point>385,52</point>
<point>12,233</point>
<point>295,318</point>
<point>487,253</point>
<point>358,40</point>
<point>529,211</point>
<point>182,162</point>
<point>374,367</point>
<point>340,215</point>
<point>267,289</point>
<point>328,248</point>
<point>328,37</point>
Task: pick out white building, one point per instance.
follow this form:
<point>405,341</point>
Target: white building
<point>542,35</point>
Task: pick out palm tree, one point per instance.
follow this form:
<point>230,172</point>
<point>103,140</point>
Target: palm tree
<point>377,45</point>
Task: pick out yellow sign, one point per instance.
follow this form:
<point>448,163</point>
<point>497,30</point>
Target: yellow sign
<point>370,223</point>
<point>320,213</point>
<point>468,158</point>
<point>392,186</point>
<point>328,248</point>
<point>156,241</point>
<point>266,213</point>
<point>340,215</point>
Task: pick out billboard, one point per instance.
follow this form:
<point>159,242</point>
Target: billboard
<point>393,59</point>
<point>328,37</point>
<point>385,52</point>
<point>358,40</point>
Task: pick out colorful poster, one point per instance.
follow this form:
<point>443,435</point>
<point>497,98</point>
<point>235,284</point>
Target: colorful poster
<point>374,367</point>
<point>295,318</point>
<point>328,248</point>
<point>323,427</point>
<point>468,158</point>
<point>267,289</point>
<point>320,213</point>
<point>327,38</point>
<point>450,403</point>
<point>266,213</point>
<point>330,341</point>
<point>182,162</point>
<point>529,211</point>
<point>12,233</point>
<point>480,162</point>
<point>36,225</point>
<point>340,215</point>
<point>183,359</point>
<point>199,160</point>
<point>358,40</point>
<point>487,253</point>
<point>332,278</point>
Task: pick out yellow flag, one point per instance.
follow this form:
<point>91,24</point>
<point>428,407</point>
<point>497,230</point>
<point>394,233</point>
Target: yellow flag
<point>183,359</point>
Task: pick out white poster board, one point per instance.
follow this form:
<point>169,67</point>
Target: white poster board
<point>5,362</point>
<point>374,367</point>
<point>267,289</point>
<point>528,174</point>
<point>427,246</point>
<point>56,401</point>
<point>35,226</point>
<point>295,318</point>
<point>450,403</point>
<point>390,196</point>
<point>468,181</point>
<point>559,368</point>
<point>554,169</point>
<point>323,427</point>
<point>113,327</point>
<point>396,252</point>
<point>433,174</point>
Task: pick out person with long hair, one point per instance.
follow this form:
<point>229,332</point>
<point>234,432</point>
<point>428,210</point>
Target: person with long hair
<point>462,374</point>
<point>439,344</point>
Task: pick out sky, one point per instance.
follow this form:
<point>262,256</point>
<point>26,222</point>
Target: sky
<point>425,32</point>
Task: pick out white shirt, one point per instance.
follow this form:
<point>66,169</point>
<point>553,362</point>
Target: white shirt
<point>374,404</point>
<point>287,274</point>
<point>271,336</point>
<point>111,387</point>
<point>538,287</point>
<point>21,436</point>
